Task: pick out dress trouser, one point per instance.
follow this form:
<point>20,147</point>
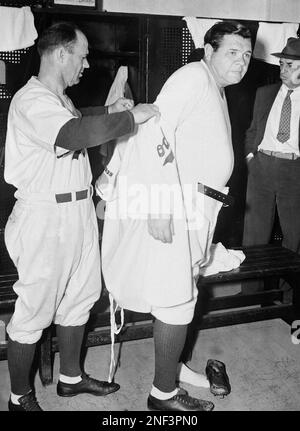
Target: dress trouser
<point>272,182</point>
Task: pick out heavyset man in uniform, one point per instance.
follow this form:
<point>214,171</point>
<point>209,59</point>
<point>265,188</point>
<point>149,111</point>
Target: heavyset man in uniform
<point>168,242</point>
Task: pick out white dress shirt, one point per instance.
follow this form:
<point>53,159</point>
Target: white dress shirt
<point>270,141</point>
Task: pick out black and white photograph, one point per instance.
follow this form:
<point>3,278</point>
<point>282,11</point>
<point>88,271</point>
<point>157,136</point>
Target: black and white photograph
<point>149,210</point>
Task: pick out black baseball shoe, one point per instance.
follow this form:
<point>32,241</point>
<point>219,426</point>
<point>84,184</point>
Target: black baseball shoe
<point>181,402</point>
<point>86,386</point>
<point>28,403</point>
<point>217,377</point>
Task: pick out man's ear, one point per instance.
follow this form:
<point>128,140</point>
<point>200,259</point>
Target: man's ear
<point>208,50</point>
<point>60,54</point>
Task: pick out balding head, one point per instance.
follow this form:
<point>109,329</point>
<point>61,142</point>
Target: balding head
<point>62,34</point>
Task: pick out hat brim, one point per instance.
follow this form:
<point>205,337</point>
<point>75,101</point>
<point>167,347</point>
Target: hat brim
<point>289,56</point>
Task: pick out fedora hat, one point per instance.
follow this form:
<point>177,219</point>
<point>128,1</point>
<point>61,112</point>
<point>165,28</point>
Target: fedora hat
<point>291,50</point>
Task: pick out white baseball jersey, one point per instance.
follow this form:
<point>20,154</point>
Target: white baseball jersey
<point>143,273</point>
<point>35,117</point>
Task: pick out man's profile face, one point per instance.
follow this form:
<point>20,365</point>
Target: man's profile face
<point>230,61</point>
<point>289,72</point>
<point>76,61</point>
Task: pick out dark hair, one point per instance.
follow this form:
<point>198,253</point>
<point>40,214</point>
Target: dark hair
<point>215,34</point>
<point>196,55</point>
<point>59,34</point>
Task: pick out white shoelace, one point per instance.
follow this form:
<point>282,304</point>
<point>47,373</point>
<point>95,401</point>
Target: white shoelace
<point>114,330</point>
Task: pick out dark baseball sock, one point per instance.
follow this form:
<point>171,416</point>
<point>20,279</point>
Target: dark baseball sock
<point>20,357</point>
<point>168,344</point>
<point>70,343</point>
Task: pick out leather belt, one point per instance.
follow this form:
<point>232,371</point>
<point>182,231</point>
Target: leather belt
<point>75,196</point>
<point>280,155</point>
<point>215,194</point>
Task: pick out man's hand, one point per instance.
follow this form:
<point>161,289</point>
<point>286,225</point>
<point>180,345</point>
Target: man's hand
<point>249,157</point>
<point>143,112</point>
<point>122,104</point>
<point>161,228</point>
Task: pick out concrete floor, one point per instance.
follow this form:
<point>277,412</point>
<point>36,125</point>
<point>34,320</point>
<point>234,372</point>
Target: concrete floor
<point>262,363</point>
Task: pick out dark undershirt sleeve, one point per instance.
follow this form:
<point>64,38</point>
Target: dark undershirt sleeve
<point>92,130</point>
<point>94,110</point>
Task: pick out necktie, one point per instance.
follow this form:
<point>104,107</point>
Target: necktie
<point>285,119</point>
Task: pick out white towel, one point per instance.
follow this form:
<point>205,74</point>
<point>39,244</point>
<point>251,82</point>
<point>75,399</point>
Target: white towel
<point>17,28</point>
<point>272,37</point>
<point>118,89</point>
<point>198,27</point>
<point>222,259</point>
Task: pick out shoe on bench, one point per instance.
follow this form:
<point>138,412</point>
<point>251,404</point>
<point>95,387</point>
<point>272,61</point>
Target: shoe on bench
<point>86,386</point>
<point>28,403</point>
<point>217,377</point>
<point>181,402</point>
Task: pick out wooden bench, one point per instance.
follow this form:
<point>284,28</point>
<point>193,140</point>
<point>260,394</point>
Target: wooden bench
<point>268,263</point>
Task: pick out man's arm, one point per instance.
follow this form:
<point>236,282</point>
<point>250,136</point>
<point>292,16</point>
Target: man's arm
<point>250,140</point>
<point>94,110</point>
<point>120,105</point>
<point>161,173</point>
<point>92,130</point>
<point>176,101</point>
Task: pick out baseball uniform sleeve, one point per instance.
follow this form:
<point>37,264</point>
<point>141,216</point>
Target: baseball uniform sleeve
<point>41,116</point>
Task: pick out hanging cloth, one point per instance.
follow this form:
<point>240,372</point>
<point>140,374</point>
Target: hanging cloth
<point>17,28</point>
<point>198,27</point>
<point>119,88</point>
<point>272,37</point>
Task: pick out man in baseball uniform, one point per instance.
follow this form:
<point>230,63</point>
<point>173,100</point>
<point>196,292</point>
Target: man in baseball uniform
<point>52,232</point>
<point>154,248</point>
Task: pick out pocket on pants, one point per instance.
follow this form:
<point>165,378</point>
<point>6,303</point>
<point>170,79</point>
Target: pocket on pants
<point>12,232</point>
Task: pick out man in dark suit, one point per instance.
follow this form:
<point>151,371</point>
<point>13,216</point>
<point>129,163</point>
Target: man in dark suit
<point>272,149</point>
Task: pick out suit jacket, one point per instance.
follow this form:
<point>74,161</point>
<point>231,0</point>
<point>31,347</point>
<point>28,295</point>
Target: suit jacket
<point>264,100</point>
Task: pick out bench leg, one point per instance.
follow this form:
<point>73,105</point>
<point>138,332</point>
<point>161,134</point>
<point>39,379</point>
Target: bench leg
<point>45,358</point>
<point>270,283</point>
<point>294,282</point>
